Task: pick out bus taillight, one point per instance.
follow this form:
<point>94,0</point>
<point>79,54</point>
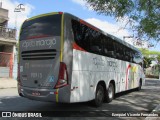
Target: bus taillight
<point>60,12</point>
<point>63,76</point>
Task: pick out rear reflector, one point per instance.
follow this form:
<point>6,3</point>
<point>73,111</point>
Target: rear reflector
<point>63,76</point>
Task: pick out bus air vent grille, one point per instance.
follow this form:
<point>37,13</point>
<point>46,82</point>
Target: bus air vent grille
<point>39,54</point>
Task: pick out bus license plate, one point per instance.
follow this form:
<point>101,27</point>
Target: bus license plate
<point>36,94</point>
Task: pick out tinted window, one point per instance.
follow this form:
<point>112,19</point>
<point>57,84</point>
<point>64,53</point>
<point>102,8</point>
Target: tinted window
<point>43,26</point>
<point>98,43</point>
<point>109,49</point>
<point>81,35</point>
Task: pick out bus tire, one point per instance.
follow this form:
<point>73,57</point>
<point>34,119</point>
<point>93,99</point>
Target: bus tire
<point>110,93</point>
<point>99,96</point>
<point>140,86</point>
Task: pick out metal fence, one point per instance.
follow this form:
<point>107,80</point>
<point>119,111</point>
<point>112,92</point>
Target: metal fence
<point>7,32</point>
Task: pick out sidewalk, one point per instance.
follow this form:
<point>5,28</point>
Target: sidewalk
<point>151,79</point>
<point>7,83</point>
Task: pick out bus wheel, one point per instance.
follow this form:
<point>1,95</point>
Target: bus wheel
<point>140,86</point>
<point>99,97</point>
<point>109,93</point>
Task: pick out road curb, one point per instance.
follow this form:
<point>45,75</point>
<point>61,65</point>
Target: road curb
<point>151,79</point>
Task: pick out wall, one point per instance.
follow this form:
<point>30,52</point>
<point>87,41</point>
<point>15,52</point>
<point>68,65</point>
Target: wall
<point>15,64</point>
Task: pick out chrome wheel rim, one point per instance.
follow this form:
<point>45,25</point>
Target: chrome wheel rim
<point>110,92</point>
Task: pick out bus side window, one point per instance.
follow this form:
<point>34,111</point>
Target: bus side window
<point>81,35</point>
<point>96,42</point>
<point>109,46</point>
<point>118,50</point>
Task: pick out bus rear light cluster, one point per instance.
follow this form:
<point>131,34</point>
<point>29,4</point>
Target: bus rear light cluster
<point>63,76</point>
<point>60,12</point>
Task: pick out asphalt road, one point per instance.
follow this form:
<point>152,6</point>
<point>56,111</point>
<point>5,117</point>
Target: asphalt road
<point>138,101</point>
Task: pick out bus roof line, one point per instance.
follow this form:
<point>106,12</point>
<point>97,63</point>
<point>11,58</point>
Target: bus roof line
<point>42,15</point>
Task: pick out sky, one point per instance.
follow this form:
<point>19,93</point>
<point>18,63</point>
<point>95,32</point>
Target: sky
<point>78,8</point>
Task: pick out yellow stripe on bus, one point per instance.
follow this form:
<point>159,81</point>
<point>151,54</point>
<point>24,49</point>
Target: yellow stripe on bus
<point>38,16</point>
<point>19,43</point>
<point>62,38</point>
<point>57,95</point>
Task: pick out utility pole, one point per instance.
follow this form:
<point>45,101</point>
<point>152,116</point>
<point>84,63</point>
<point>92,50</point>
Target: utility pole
<point>18,9</point>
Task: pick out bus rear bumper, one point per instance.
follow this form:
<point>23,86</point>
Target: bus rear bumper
<point>48,95</point>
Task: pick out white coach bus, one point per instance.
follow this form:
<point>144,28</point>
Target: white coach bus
<point>65,59</point>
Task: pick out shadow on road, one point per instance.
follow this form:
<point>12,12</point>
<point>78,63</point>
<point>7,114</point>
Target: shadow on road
<point>131,101</point>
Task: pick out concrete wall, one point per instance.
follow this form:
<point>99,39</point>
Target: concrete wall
<point>3,12</point>
<point>4,72</point>
<point>15,63</point>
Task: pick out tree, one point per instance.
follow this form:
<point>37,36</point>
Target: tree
<point>143,16</point>
<point>158,59</point>
<point>147,57</point>
<point>147,61</point>
<point>145,52</point>
<point>148,53</point>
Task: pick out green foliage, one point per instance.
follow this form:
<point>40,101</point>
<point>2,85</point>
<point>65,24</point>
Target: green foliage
<point>158,59</point>
<point>154,53</point>
<point>146,52</point>
<point>143,15</point>
<point>147,61</point>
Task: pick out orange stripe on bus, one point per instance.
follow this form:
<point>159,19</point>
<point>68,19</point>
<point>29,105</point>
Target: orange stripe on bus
<point>87,24</point>
<point>77,47</point>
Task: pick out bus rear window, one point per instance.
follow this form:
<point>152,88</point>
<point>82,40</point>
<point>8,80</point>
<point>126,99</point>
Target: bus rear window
<point>41,27</point>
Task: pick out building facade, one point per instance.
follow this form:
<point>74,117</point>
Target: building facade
<point>7,46</point>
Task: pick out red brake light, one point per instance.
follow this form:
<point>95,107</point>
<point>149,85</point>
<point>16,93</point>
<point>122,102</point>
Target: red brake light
<point>63,76</point>
<point>60,12</point>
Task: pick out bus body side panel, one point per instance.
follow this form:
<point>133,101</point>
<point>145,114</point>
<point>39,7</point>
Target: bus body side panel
<point>81,77</point>
<point>88,70</point>
<point>129,76</point>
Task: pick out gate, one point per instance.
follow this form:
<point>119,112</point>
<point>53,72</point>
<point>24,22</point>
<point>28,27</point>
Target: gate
<point>6,64</point>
